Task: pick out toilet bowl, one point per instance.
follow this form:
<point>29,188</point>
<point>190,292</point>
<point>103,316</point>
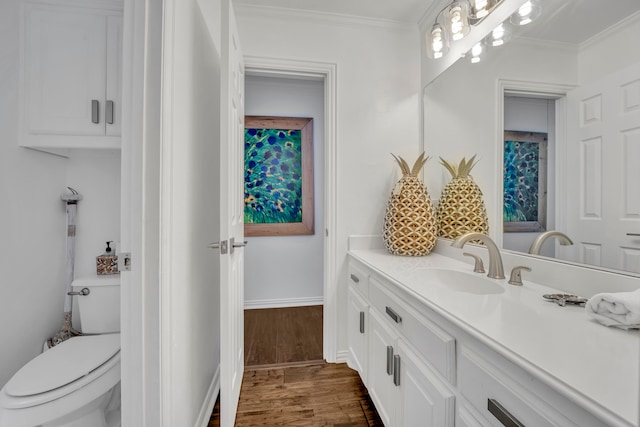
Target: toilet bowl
<point>77,382</point>
<point>73,384</point>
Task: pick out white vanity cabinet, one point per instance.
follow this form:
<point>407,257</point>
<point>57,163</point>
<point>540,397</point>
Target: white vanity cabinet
<point>423,369</point>
<point>358,318</point>
<point>71,67</point>
<point>405,387</point>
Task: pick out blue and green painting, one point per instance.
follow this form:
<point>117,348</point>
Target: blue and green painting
<point>272,176</point>
<point>521,174</point>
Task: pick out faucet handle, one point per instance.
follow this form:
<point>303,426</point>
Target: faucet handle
<point>478,267</point>
<point>516,275</point>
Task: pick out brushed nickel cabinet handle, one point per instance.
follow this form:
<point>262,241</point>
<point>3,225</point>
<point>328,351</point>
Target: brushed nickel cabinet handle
<point>502,415</point>
<point>389,360</point>
<point>395,316</point>
<point>362,322</point>
<point>95,111</point>
<point>355,278</point>
<point>396,370</point>
<point>109,113</point>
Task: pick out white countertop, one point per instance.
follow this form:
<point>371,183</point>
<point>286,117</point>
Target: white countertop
<point>594,365</point>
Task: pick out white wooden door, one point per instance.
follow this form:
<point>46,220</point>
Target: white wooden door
<point>603,171</point>
<point>231,219</point>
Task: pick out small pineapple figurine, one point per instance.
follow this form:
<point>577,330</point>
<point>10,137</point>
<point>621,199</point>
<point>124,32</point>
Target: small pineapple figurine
<point>409,224</point>
<point>461,209</point>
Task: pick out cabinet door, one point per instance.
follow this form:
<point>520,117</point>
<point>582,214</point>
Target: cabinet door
<point>358,331</point>
<point>423,399</point>
<point>65,70</point>
<point>379,377</point>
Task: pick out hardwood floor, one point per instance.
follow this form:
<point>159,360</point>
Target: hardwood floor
<point>319,394</point>
<point>286,382</point>
<point>282,335</point>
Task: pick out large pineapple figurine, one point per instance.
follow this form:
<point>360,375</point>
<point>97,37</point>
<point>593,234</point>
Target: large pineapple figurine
<point>409,224</point>
<point>461,209</point>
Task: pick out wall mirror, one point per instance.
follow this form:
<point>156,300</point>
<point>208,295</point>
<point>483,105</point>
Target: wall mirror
<point>548,79</point>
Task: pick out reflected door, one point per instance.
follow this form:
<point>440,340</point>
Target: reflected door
<point>603,171</point>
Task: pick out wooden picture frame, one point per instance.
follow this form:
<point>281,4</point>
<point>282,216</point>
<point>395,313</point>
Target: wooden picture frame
<point>525,181</point>
<point>278,176</point>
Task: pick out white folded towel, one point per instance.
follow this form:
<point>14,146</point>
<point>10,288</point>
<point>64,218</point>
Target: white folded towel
<point>619,309</point>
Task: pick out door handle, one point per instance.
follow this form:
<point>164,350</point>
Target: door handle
<point>362,322</point>
<point>233,244</point>
<point>389,360</point>
<point>219,245</point>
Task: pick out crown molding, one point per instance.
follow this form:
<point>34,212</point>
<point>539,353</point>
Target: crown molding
<point>633,19</point>
<point>253,11</point>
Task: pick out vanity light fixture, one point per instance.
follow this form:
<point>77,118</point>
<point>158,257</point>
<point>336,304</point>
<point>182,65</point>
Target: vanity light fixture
<point>454,22</point>
<point>526,13</point>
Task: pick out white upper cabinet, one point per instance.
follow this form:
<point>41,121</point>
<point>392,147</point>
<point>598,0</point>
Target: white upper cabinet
<point>71,67</point>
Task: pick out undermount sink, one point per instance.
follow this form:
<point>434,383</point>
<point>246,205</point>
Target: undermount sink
<point>461,281</point>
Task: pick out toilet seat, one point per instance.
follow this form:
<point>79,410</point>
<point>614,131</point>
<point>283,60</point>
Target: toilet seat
<point>63,369</point>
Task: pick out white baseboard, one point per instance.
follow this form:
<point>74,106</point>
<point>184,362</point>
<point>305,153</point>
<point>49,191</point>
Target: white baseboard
<point>342,356</point>
<point>283,302</point>
<point>210,400</point>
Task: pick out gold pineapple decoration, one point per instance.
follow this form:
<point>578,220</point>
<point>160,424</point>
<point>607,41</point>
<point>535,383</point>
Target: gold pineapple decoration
<point>461,208</point>
<point>409,223</point>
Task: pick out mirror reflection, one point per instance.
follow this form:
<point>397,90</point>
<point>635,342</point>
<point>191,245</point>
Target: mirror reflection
<point>574,76</point>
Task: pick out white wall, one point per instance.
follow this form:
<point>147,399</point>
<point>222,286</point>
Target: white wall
<point>533,115</point>
<point>460,109</point>
<point>377,107</point>
<point>190,214</point>
<point>32,256</point>
<point>285,271</point>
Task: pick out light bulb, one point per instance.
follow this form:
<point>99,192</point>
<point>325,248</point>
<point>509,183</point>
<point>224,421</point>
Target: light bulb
<point>456,24</point>
<point>476,50</point>
<point>498,32</point>
<point>525,9</point>
<point>481,8</point>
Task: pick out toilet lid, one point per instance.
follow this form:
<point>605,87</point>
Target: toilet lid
<point>63,364</point>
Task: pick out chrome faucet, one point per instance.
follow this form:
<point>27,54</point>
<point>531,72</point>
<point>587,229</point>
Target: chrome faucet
<point>496,271</point>
<point>537,243</point>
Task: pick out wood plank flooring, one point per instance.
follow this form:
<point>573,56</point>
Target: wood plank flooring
<point>282,335</point>
<point>319,394</point>
<point>286,382</point>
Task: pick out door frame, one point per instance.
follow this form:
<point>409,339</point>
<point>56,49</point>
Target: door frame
<point>555,91</point>
<point>327,72</point>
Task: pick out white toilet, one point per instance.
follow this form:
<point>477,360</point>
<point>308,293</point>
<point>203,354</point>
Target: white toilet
<point>77,382</point>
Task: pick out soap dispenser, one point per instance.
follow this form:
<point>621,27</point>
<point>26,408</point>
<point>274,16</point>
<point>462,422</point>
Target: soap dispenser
<point>107,263</point>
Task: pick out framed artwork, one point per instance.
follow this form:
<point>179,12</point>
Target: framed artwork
<point>525,181</point>
<point>278,176</point>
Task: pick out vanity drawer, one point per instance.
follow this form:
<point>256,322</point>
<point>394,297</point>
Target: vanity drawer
<point>434,344</point>
<point>504,399</point>
<point>358,277</point>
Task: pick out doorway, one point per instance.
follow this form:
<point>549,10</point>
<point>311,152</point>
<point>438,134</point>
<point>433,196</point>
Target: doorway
<point>284,275</point>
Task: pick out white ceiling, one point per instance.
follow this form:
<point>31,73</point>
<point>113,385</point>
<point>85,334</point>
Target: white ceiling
<point>570,21</point>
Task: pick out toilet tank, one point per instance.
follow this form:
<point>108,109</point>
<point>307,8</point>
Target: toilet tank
<point>98,312</point>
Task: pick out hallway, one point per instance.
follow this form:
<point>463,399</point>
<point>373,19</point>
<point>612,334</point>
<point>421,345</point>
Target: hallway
<point>286,382</point>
